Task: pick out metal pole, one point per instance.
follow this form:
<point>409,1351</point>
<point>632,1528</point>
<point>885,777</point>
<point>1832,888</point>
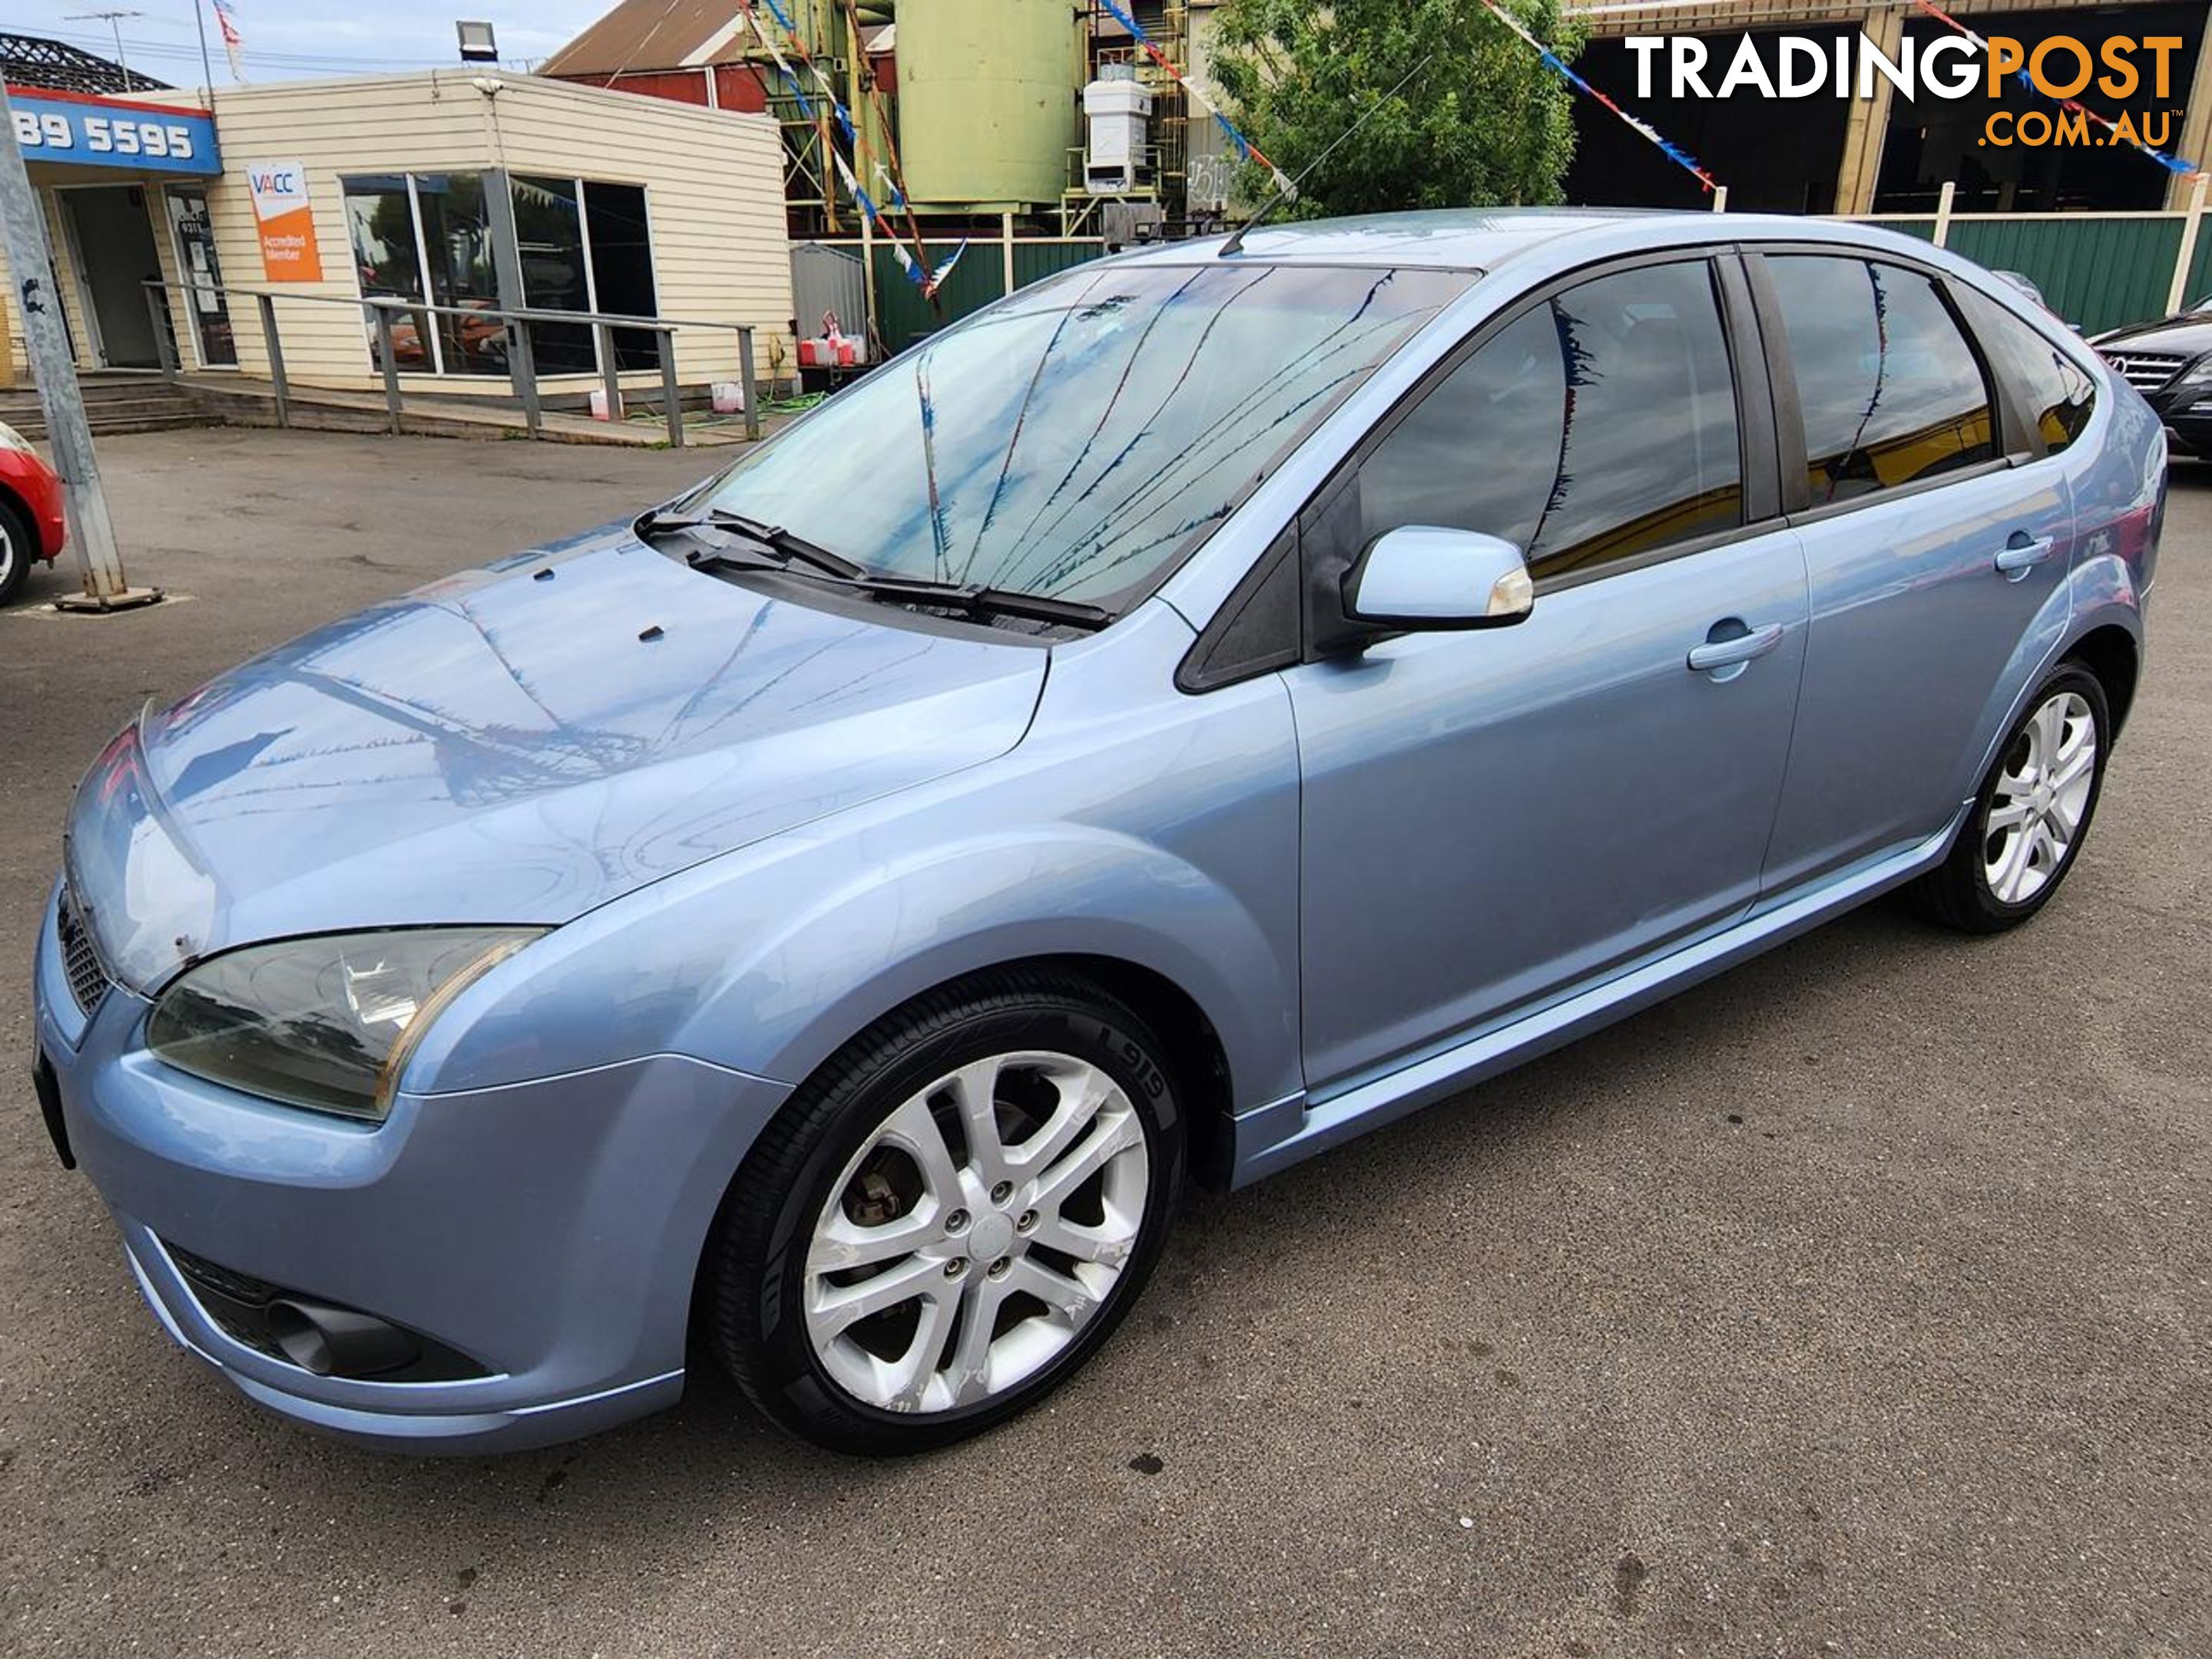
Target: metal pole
<point>207,65</point>
<point>391,364</point>
<point>664,339</point>
<point>610,370</point>
<point>513,294</point>
<point>745,379</point>
<point>30,260</point>
<point>165,344</point>
<point>267,304</point>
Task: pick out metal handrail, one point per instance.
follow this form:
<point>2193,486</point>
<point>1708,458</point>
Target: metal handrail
<point>382,309</point>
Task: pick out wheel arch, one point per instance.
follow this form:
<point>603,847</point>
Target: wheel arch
<point>2112,654</point>
<point>1196,1057</point>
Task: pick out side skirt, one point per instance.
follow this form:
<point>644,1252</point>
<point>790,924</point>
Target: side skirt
<point>1275,1136</point>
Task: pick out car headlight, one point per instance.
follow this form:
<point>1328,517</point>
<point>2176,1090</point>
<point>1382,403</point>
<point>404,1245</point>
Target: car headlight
<point>2197,374</point>
<point>324,1023</point>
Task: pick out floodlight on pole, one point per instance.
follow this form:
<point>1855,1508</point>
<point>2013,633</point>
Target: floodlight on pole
<point>479,45</point>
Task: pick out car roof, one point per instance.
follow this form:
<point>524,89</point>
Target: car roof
<point>1482,239</point>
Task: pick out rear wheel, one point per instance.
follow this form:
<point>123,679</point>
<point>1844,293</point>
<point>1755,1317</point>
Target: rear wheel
<point>2032,814</point>
<point>950,1216</point>
<point>19,546</point>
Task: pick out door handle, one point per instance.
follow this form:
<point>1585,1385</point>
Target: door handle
<point>2022,553</point>
<point>1728,653</point>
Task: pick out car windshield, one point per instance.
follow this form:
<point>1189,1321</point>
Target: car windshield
<point>1075,438</point>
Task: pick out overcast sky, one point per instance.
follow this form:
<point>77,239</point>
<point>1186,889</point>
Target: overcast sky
<point>298,40</point>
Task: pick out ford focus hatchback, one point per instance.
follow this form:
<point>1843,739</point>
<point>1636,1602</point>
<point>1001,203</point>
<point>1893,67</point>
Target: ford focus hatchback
<point>1205,706</point>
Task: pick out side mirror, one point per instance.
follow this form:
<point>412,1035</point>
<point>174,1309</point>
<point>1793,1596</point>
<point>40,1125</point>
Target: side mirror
<point>1421,577</point>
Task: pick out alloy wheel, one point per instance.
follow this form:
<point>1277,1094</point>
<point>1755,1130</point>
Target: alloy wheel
<point>2042,792</point>
<point>976,1231</point>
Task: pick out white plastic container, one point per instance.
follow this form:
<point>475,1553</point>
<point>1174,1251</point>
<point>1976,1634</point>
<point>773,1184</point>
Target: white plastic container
<point>599,404</point>
<point>725,396</point>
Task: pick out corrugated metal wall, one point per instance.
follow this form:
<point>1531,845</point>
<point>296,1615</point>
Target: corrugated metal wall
<point>903,316</point>
<point>2095,273</point>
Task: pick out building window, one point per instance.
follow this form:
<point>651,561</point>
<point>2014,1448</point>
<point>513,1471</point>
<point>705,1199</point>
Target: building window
<point>201,273</point>
<point>586,247</point>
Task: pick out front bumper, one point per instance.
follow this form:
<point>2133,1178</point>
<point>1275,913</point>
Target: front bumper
<point>550,1230</point>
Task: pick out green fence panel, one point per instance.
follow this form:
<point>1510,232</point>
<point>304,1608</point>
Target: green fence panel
<point>2200,267</point>
<point>903,316</point>
<point>1034,261</point>
<point>2096,273</point>
<point>1924,230</point>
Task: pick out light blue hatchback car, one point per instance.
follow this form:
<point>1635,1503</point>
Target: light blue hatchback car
<point>1206,705</point>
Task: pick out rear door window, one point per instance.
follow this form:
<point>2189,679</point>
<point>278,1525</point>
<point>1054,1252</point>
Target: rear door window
<point>1889,389</point>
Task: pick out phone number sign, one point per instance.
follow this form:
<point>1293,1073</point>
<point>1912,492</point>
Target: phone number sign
<point>107,132</point>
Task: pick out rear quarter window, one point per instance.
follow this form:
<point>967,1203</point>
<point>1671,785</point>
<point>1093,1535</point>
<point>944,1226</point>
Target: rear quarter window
<point>2061,397</point>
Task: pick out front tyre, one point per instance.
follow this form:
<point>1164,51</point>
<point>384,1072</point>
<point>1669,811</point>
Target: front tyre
<point>950,1216</point>
<point>2032,814</point>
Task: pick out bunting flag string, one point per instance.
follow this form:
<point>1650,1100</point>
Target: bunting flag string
<point>915,269</point>
<point>2072,105</point>
<point>1673,152</point>
<point>1243,146</point>
<point>232,42</point>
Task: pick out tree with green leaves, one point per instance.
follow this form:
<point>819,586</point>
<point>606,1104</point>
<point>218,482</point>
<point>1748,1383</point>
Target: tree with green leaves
<point>1459,112</point>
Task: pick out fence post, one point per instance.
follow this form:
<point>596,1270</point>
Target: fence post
<point>745,379</point>
<point>165,344</point>
<point>268,305</point>
<point>391,363</point>
<point>610,370</point>
<point>664,339</point>
<point>1720,199</point>
<point>522,374</point>
<point>1006,251</point>
<point>1943,212</point>
<point>2177,292</point>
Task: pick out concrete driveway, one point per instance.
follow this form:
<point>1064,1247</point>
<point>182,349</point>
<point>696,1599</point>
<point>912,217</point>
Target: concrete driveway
<point>1855,1302</point>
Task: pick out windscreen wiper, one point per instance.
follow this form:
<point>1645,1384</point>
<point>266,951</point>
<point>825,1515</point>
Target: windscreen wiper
<point>773,539</point>
<point>978,600</point>
<point>779,549</point>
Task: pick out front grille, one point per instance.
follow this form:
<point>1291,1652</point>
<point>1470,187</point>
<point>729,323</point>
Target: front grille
<point>2146,371</point>
<point>80,957</point>
<point>236,1302</point>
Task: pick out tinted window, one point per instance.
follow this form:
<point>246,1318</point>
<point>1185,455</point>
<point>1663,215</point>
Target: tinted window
<point>1591,428</point>
<point>1891,391</point>
<point>2060,397</point>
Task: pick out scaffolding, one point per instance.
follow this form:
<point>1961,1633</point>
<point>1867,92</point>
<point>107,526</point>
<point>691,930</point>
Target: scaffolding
<point>1165,197</point>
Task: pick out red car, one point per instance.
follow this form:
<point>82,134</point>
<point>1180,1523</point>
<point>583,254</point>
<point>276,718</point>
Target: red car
<point>31,522</point>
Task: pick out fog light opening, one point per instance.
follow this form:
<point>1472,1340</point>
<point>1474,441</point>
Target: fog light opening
<point>338,1341</point>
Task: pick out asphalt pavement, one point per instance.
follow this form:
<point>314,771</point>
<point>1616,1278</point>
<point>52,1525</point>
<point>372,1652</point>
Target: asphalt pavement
<point>1854,1303</point>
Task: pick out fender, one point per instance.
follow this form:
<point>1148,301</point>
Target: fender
<point>2102,591</point>
<point>1160,831</point>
